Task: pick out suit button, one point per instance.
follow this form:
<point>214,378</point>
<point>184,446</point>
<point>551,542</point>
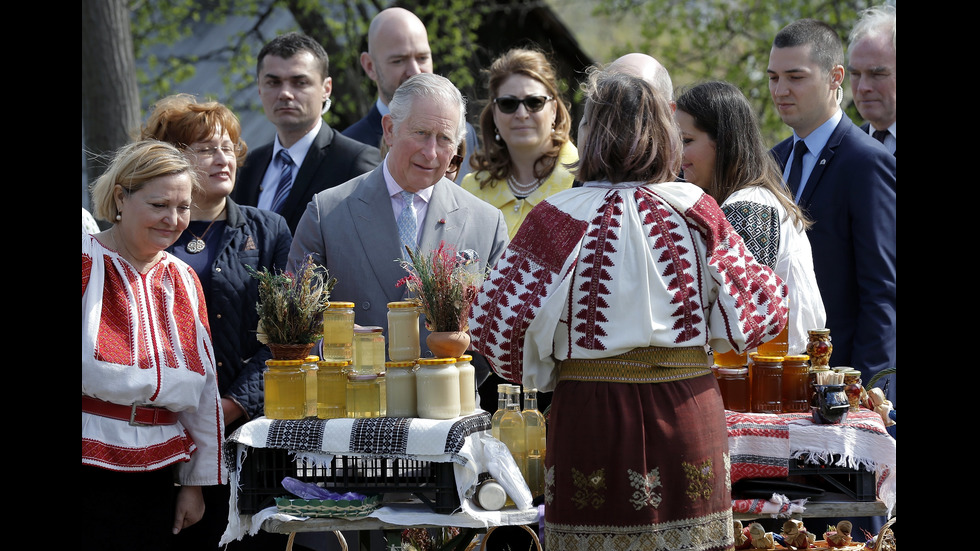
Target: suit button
<point>365,305</point>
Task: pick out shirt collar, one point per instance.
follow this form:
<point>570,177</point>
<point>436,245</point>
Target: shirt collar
<point>395,189</point>
<point>816,140</point>
<point>302,146</point>
<point>382,108</point>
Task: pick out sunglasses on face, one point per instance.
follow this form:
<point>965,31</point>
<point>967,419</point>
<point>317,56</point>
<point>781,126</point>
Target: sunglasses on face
<point>509,104</point>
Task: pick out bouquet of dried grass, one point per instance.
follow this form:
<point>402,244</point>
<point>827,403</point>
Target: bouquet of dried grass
<point>444,283</point>
<point>291,305</point>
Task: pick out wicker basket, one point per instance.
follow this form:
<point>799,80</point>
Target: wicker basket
<point>290,351</point>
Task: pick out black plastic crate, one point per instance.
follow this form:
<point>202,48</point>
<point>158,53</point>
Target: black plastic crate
<point>264,468</point>
<point>858,484</point>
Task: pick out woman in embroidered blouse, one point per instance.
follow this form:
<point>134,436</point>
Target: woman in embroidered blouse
<point>609,294</point>
<point>150,407</point>
<point>525,137</point>
<point>724,154</point>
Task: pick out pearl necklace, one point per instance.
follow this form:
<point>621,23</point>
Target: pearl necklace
<point>521,191</point>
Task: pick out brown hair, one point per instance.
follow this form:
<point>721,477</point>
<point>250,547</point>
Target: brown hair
<point>180,120</point>
<point>627,133</point>
<point>493,156</point>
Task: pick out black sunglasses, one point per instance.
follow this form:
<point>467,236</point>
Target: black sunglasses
<point>509,104</point>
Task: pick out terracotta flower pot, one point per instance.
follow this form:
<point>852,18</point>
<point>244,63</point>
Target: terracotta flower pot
<point>290,351</point>
<point>448,344</point>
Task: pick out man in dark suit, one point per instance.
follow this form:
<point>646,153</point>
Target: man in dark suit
<point>398,48</point>
<point>871,63</point>
<point>295,89</point>
<point>355,229</point>
<point>846,184</point>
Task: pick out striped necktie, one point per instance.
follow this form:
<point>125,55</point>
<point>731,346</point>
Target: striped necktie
<point>285,180</point>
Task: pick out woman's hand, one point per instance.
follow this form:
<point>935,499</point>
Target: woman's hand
<point>190,507</point>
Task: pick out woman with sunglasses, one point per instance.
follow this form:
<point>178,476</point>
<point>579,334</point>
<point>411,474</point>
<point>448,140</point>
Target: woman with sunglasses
<point>525,137</point>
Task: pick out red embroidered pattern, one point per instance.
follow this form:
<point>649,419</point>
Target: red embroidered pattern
<point>115,344</point>
<point>176,448</point>
<point>184,317</point>
<point>86,271</point>
<point>600,241</point>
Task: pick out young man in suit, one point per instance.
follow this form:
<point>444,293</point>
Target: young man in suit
<point>354,229</point>
<point>871,64</point>
<point>846,184</point>
<point>307,155</point>
<point>398,48</point>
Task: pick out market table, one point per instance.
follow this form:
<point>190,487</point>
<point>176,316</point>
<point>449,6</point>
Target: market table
<point>775,446</point>
<point>462,445</point>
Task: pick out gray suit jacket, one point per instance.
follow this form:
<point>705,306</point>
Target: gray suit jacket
<point>351,230</point>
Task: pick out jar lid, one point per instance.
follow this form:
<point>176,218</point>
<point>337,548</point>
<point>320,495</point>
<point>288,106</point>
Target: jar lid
<point>312,358</point>
<point>340,305</point>
<point>333,363</point>
<point>368,329</point>
<point>402,363</point>
<point>733,370</point>
<point>403,304</point>
<point>361,376</point>
<point>822,331</point>
<point>283,363</point>
<point>797,358</point>
<point>768,359</point>
<point>436,361</point>
<point>464,358</point>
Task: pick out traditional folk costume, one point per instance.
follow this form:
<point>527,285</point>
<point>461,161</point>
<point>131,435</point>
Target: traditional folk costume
<point>609,295</point>
<point>145,341</point>
<point>515,209</point>
<point>777,242</point>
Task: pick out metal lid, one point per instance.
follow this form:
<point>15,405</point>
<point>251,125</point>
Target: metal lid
<point>340,305</point>
<point>283,363</point>
<point>403,304</point>
<point>436,361</point>
<point>464,358</point>
<point>333,363</point>
<point>402,363</point>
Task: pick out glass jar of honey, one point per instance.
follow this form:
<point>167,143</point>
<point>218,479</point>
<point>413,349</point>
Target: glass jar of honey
<point>796,384</point>
<point>404,343</point>
<point>779,345</point>
<point>766,374</point>
<point>735,389</point>
<point>400,390</point>
<point>331,389</point>
<point>338,331</point>
<point>369,350</point>
<point>310,368</point>
<point>467,384</point>
<point>730,358</point>
<point>437,388</point>
<point>285,389</point>
<point>363,396</point>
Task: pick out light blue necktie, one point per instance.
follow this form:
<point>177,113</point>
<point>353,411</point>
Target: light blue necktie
<point>408,223</point>
<point>285,180</point>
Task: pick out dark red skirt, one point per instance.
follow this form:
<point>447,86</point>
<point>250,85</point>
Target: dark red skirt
<point>638,466</point>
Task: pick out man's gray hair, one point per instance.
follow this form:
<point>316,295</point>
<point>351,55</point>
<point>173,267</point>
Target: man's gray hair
<point>874,21</point>
<point>428,85</point>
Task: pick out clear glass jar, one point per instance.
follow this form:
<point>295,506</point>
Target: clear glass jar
<point>766,374</point>
<point>338,331</point>
<point>796,384</point>
<point>735,389</point>
<point>331,389</point>
<point>404,343</point>
<point>401,398</point>
<point>310,368</point>
<point>369,350</point>
<point>437,388</point>
<point>363,396</point>
<point>467,384</point>
<point>819,347</point>
<point>285,389</point>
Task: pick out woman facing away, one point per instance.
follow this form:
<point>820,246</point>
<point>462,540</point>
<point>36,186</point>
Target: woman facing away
<point>150,408</point>
<point>525,137</point>
<point>609,295</point>
<point>724,155</point>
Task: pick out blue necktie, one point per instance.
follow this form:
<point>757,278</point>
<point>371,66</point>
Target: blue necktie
<point>408,223</point>
<point>796,171</point>
<point>285,180</point>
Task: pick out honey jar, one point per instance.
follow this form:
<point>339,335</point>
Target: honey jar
<point>338,331</point>
<point>285,389</point>
<point>331,389</point>
<point>766,373</point>
<point>796,384</point>
<point>437,388</point>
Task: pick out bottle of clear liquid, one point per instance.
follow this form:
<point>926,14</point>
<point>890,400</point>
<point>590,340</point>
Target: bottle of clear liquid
<point>512,429</point>
<point>535,435</point>
<point>501,408</point>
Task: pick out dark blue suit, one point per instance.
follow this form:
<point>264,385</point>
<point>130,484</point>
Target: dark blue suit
<point>850,196</point>
<point>367,130</point>
<point>332,160</point>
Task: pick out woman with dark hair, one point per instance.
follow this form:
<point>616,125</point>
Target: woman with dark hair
<point>526,144</point>
<point>609,295</point>
<point>724,155</point>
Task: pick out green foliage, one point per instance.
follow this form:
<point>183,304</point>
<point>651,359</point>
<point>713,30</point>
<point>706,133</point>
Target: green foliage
<point>727,40</point>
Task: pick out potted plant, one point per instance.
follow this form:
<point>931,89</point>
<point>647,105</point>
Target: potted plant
<point>444,283</point>
<point>291,308</point>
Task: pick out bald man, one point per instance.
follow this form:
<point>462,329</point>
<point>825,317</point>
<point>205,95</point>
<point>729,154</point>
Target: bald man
<point>398,48</point>
<point>647,68</point>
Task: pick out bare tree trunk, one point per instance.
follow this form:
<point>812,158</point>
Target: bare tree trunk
<point>110,97</point>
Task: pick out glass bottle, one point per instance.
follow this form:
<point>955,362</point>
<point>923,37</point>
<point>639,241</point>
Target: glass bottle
<point>437,388</point>
<point>331,389</point>
<point>735,389</point>
<point>779,345</point>
<point>767,383</point>
<point>369,350</point>
<point>502,390</point>
<point>285,389</point>
<point>467,384</point>
<point>796,384</point>
<point>403,331</point>
<point>401,392</point>
<point>363,396</point>
<point>513,430</point>
<point>535,432</point>
<point>310,368</point>
<point>338,331</point>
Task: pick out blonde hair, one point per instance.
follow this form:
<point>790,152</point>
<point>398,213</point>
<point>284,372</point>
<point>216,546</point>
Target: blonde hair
<point>132,166</point>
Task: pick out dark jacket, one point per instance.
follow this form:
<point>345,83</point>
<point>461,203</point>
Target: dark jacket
<point>260,239</point>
